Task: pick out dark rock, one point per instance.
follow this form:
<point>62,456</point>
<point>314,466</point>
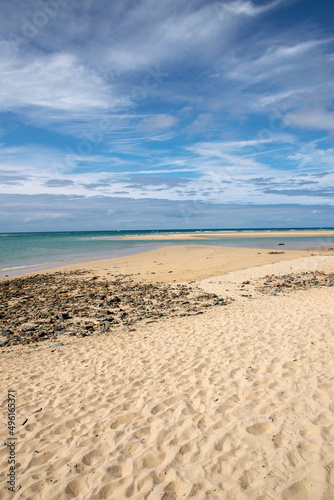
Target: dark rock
<point>44,298</point>
<point>113,300</point>
<point>7,333</point>
<point>65,315</point>
<point>291,282</point>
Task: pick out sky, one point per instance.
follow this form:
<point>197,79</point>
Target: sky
<point>138,114</point>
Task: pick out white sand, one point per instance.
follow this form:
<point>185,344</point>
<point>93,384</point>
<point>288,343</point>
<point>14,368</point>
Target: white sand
<point>227,234</point>
<point>237,403</point>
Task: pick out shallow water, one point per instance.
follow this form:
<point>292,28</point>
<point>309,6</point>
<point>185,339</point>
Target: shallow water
<point>19,251</point>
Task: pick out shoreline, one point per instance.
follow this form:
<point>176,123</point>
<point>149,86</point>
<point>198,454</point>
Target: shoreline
<point>50,266</point>
<point>179,262</point>
<point>227,234</point>
<point>153,241</point>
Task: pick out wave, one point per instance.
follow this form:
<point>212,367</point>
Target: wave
<point>27,266</point>
<point>103,238</point>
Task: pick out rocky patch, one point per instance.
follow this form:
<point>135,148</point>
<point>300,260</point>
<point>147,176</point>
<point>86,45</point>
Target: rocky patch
<point>48,306</point>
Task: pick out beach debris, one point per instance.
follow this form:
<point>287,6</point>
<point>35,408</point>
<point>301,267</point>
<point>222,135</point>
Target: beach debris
<point>72,304</point>
<point>274,285</point>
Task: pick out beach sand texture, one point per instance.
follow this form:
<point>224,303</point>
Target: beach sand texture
<point>236,403</point>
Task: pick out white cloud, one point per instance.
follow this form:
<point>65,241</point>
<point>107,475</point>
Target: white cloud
<point>173,31</point>
<point>291,97</point>
<point>58,82</point>
<point>271,99</point>
<point>282,63</point>
<point>219,173</point>
<point>164,33</point>
<point>247,8</point>
<point>237,145</point>
<point>300,48</point>
<point>235,152</point>
<point>317,118</point>
<point>202,124</point>
<point>157,123</point>
<point>310,157</point>
<point>190,60</point>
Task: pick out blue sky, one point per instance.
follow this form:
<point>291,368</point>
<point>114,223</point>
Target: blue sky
<point>174,114</point>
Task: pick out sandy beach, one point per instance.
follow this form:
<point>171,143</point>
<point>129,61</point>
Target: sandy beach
<point>229,399</point>
<point>184,262</point>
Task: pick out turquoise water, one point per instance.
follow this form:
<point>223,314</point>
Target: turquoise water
<point>42,250</point>
<point>21,250</point>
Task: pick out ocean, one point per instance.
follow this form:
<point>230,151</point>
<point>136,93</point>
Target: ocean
<point>27,251</point>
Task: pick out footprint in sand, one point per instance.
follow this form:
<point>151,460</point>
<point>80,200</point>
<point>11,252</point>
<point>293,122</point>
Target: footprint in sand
<point>259,428</point>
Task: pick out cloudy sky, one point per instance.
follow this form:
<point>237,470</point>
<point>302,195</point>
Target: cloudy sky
<point>136,114</point>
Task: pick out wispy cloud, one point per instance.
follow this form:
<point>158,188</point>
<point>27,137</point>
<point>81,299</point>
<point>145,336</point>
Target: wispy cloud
<point>247,8</point>
<point>222,172</point>
<point>206,102</point>
<point>158,122</point>
<point>55,82</point>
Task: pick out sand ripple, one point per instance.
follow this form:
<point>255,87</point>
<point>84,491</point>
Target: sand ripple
<point>237,403</point>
